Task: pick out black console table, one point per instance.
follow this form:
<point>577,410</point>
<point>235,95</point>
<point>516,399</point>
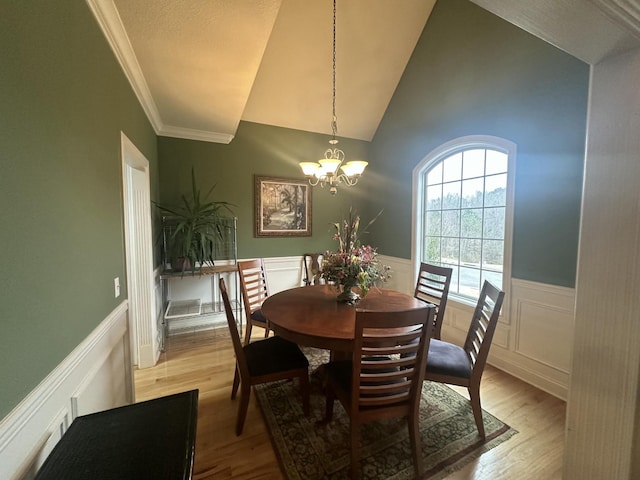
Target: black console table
<point>146,440</point>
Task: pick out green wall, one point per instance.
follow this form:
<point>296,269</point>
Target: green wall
<point>470,74</point>
<point>64,101</point>
<point>258,150</point>
<point>475,74</point>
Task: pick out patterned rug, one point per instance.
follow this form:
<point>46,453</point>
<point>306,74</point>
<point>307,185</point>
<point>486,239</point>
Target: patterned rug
<point>307,451</point>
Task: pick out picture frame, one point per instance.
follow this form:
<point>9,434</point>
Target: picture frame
<point>282,207</point>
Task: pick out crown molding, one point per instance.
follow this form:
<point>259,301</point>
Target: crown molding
<point>192,134</point>
<point>110,23</point>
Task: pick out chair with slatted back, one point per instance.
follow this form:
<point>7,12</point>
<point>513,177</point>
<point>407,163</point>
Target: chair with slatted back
<point>432,286</point>
<point>255,289</point>
<point>312,270</point>
<point>263,361</point>
<point>455,365</point>
<point>384,377</point>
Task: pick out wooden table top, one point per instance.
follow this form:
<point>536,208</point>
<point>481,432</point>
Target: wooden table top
<point>312,316</point>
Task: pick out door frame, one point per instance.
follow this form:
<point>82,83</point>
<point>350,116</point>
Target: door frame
<point>139,258</point>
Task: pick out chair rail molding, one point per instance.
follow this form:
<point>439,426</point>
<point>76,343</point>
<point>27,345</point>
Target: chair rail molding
<point>532,340</point>
<point>534,335</point>
<point>101,362</point>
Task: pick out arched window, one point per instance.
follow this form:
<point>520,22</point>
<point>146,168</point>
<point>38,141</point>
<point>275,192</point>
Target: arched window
<point>463,208</point>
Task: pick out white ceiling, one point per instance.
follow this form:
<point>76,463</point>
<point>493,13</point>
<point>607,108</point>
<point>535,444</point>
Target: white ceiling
<point>200,66</point>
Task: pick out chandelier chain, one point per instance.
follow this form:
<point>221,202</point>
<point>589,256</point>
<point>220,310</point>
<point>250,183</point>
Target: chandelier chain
<point>327,170</point>
<point>334,121</point>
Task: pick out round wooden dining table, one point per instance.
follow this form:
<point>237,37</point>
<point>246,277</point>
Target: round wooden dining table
<point>311,316</point>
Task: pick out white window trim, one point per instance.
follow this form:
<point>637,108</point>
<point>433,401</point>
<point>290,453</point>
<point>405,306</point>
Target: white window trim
<point>437,154</point>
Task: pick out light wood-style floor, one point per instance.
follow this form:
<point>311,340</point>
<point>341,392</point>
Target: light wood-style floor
<point>205,361</point>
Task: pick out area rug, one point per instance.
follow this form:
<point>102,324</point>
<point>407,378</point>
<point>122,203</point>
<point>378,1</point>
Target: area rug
<point>308,451</point>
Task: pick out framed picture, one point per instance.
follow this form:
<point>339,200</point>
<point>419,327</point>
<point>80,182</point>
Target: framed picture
<point>282,207</point>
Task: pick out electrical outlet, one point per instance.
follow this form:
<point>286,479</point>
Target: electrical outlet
<point>116,286</point>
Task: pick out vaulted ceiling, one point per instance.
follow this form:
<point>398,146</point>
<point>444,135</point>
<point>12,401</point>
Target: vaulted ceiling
<point>199,67</point>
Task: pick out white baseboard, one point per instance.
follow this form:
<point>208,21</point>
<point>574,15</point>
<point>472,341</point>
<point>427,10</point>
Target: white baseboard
<point>101,363</point>
<point>533,339</point>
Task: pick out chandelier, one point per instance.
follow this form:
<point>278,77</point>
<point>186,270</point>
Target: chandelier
<point>327,171</point>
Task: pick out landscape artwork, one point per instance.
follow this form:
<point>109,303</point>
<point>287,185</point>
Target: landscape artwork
<point>282,207</point>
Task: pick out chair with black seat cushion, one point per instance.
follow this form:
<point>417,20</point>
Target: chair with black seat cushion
<point>312,270</point>
<point>255,290</point>
<point>432,286</point>
<point>455,365</point>
<point>384,377</point>
<point>263,361</point>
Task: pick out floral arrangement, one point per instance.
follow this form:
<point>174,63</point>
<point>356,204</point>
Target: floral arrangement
<point>354,264</point>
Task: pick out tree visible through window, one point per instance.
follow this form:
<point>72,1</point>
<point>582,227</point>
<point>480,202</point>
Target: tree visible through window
<point>464,210</point>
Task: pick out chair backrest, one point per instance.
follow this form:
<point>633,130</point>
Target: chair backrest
<point>483,325</point>
<point>253,283</point>
<point>388,364</point>
<point>432,286</point>
<point>233,329</point>
<point>312,268</point>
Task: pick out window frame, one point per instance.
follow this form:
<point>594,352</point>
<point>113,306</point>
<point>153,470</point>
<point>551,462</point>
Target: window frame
<point>439,154</point>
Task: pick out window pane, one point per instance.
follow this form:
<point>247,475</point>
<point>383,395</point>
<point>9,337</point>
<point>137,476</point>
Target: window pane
<point>434,220</point>
<point>434,197</point>
<point>470,251</point>
<point>469,282</point>
<point>451,223</point>
<point>451,250</point>
<point>463,217</point>
<point>493,255</point>
<point>473,163</point>
<point>432,249</point>
<point>495,191</point>
<point>493,277</point>
<point>472,192</point>
<point>471,223</point>
<point>435,175</point>
<point>494,223</point>
<point>453,286</point>
<point>452,168</point>
<point>451,195</point>
<point>496,162</point>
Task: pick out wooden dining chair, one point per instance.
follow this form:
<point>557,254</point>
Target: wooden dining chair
<point>263,361</point>
<point>312,270</point>
<point>455,365</point>
<point>432,286</point>
<point>384,377</point>
<point>255,289</point>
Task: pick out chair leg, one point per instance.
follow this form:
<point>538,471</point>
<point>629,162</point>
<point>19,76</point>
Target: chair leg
<point>305,391</point>
<point>247,332</point>
<point>355,450</point>
<point>414,437</point>
<point>236,383</point>
<point>474,395</point>
<point>266,331</point>
<point>245,394</point>
<point>330,397</point>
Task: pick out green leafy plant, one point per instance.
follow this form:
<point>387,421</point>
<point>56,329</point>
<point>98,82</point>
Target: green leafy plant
<point>196,227</point>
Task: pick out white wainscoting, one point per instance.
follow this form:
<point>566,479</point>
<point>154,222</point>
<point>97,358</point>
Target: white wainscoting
<point>97,375</point>
<point>282,273</point>
<point>533,340</point>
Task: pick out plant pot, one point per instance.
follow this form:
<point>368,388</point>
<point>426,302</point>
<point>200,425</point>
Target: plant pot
<point>348,295</point>
<point>181,264</point>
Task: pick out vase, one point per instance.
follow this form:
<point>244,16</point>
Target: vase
<point>347,295</point>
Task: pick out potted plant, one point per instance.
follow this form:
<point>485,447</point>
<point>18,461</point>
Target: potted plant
<point>196,228</point>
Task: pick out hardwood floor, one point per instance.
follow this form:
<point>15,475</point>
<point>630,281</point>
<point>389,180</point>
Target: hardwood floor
<point>205,361</point>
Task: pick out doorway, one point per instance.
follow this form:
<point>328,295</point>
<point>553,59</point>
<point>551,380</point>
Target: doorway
<point>139,255</point>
